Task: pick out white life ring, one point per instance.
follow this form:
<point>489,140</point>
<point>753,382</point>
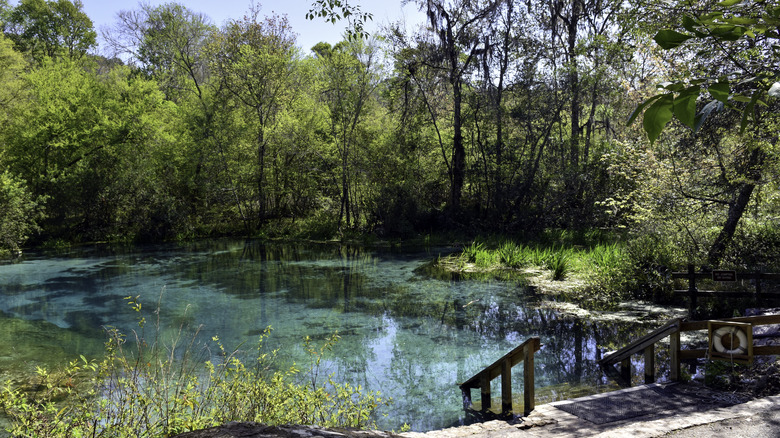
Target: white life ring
<point>717,344</point>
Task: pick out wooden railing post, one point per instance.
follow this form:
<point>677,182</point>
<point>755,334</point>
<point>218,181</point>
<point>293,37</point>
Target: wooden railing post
<point>506,386</point>
<point>528,376</point>
<point>650,364</point>
<point>625,369</point>
<point>484,388</point>
<point>674,356</point>
<point>466,392</point>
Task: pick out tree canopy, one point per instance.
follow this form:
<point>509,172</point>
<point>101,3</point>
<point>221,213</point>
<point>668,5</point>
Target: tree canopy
<point>492,116</point>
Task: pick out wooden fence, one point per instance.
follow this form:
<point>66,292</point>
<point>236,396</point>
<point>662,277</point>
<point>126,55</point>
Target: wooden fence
<point>646,346</point>
<point>693,293</point>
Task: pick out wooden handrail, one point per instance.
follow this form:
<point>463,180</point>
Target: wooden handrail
<point>503,367</point>
<point>640,344</point>
<point>673,328</point>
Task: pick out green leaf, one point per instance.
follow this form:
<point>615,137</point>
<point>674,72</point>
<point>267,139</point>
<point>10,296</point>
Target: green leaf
<point>689,23</point>
<point>657,116</point>
<point>672,86</point>
<point>749,110</point>
<point>728,3</point>
<point>641,107</point>
<point>669,39</point>
<point>720,91</point>
<point>685,106</point>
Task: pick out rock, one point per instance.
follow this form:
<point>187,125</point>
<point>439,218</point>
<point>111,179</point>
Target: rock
<point>257,430</point>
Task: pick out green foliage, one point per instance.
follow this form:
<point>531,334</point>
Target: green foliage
<point>19,213</point>
<point>749,78</point>
<point>512,255</point>
<point>51,29</point>
<point>559,264</point>
<point>335,10</point>
<point>638,269</point>
<point>156,387</point>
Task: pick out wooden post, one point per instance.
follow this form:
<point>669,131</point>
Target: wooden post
<point>466,392</point>
<point>506,387</point>
<point>528,376</point>
<point>674,356</point>
<point>692,291</point>
<point>650,364</point>
<point>484,388</point>
<point>625,369</point>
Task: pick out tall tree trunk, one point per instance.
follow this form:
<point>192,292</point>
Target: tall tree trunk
<point>737,208</point>
<point>458,151</point>
<point>574,84</point>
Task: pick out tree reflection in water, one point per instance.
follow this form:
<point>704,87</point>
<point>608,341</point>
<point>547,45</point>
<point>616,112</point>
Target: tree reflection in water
<point>410,336</point>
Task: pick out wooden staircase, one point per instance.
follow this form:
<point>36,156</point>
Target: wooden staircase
<point>503,367</point>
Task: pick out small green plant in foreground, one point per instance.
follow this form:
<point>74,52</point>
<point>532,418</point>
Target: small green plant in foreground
<point>157,388</point>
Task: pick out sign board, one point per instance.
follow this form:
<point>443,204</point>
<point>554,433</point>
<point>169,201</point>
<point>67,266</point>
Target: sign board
<point>724,275</point>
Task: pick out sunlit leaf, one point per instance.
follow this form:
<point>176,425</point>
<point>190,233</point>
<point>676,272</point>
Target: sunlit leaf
<point>685,106</point>
<point>720,91</point>
<point>641,108</point>
<point>669,39</point>
<point>657,116</point>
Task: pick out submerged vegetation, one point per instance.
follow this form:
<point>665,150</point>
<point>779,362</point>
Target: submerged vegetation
<point>147,385</point>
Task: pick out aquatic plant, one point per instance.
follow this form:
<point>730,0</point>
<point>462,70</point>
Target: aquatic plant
<point>558,262</point>
<point>512,255</point>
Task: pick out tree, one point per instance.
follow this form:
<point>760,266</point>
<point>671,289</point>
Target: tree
<point>455,43</point>
<point>51,29</point>
<point>167,43</point>
<point>19,213</point>
<point>19,210</point>
<point>350,76</point>
<point>740,43</point>
<point>335,10</point>
<point>95,148</point>
<point>254,61</point>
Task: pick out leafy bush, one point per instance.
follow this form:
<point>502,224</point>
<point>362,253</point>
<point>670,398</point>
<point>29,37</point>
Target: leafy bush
<point>640,268</point>
<point>18,213</point>
<point>157,390</point>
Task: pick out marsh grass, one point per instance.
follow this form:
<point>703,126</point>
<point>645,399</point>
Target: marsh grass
<point>587,257</point>
<point>155,387</point>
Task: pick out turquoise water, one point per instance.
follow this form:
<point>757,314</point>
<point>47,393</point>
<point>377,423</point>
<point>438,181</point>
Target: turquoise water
<point>407,335</point>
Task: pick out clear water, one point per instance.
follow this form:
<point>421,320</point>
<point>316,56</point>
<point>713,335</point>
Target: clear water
<point>409,336</point>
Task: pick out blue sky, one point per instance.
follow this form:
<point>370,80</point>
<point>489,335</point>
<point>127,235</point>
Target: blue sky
<point>103,12</point>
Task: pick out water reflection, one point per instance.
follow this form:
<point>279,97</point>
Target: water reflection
<point>407,335</point>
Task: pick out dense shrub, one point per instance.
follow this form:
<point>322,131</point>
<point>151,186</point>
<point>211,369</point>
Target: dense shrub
<point>18,213</point>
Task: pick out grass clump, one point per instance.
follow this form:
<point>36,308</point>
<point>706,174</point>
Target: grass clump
<point>559,265</point>
<point>153,388</point>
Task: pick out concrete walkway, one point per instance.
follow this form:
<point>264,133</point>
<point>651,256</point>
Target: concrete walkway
<point>551,422</point>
